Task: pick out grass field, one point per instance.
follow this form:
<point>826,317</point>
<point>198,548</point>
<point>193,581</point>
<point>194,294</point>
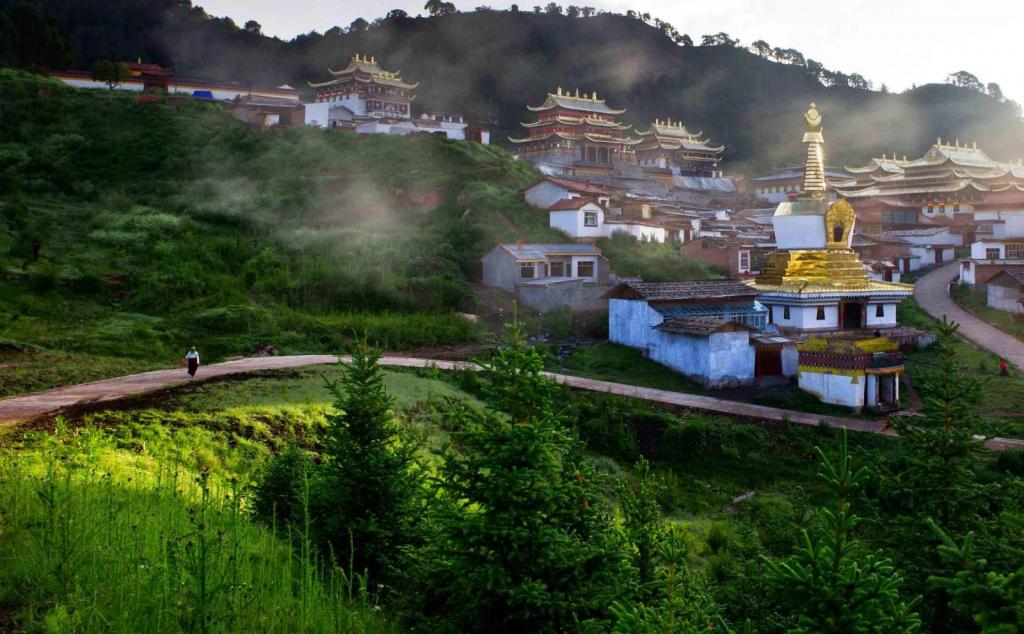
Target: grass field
<point>975,302</point>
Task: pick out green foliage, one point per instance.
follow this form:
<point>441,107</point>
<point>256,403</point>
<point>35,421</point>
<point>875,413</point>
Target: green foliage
<point>994,600</point>
<point>110,73</point>
<point>366,488</point>
<point>102,538</point>
<point>832,583</point>
<point>653,262</point>
<point>682,605</point>
<point>524,541</point>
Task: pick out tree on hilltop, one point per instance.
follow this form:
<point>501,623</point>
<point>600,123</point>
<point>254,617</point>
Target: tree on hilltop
<point>252,26</point>
<point>440,7</point>
<point>761,48</point>
<point>718,39</point>
<point>964,79</point>
<point>110,73</point>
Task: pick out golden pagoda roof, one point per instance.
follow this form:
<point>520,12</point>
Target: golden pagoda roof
<point>578,121</point>
<point>669,129</point>
<point>560,135</point>
<point>365,69</point>
<point>575,102</point>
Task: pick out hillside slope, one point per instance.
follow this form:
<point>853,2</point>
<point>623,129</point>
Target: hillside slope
<point>491,64</point>
<point>133,229</point>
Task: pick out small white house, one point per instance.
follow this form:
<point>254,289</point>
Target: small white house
<point>704,330</point>
<point>585,221</point>
<point>1006,291</point>
<point>928,246</point>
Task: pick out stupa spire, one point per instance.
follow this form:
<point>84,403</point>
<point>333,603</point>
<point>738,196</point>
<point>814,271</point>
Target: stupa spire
<point>814,166</point>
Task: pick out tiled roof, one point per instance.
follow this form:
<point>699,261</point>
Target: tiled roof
<point>675,291</point>
<point>1016,274</point>
<point>578,186</point>
<point>532,251</point>
<point>567,204</point>
<point>702,326</point>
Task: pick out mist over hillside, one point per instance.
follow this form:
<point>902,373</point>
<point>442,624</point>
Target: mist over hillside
<point>491,64</point>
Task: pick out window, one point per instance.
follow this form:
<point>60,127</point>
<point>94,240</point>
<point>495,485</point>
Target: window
<point>589,218</point>
<point>557,269</point>
<point>879,311</point>
<point>744,262</point>
<point>931,208</point>
<point>785,312</point>
<point>821,313</point>
<point>584,269</point>
<point>992,254</point>
<point>526,270</point>
<point>1015,250</point>
<point>956,207</point>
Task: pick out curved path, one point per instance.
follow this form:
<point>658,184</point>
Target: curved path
<point>932,293</point>
<point>28,406</point>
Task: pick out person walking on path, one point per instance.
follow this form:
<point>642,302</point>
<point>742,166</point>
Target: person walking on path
<point>192,359</point>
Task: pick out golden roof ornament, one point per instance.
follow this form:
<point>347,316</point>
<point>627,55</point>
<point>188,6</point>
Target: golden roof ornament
<point>812,120</point>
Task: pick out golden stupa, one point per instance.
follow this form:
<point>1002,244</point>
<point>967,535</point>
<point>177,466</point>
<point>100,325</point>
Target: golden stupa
<point>813,237</point>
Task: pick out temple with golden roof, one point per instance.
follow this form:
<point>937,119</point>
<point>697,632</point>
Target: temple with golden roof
<point>815,286</point>
<point>576,128</point>
<point>366,89</point>
<point>671,146</point>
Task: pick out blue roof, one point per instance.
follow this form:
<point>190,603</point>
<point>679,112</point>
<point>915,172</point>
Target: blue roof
<point>205,95</point>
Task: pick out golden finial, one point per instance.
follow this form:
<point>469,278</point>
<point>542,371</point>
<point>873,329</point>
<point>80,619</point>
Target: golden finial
<point>373,60</point>
<point>812,120</point>
<point>559,92</point>
<point>958,141</point>
<point>594,96</point>
<point>577,93</point>
<point>938,140</point>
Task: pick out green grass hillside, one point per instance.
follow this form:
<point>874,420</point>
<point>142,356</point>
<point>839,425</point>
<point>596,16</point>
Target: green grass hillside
<point>132,230</point>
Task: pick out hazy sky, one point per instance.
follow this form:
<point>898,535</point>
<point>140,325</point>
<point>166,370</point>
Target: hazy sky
<point>895,42</point>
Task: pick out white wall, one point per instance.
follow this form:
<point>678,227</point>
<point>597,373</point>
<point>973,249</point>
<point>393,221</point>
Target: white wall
<point>979,247</point>
<point>790,360</point>
<point>1012,225</point>
<point>1004,297</point>
<point>806,317</point>
<point>888,317</point>
<point>130,85</point>
<point>318,114</point>
<point>799,232</point>
<point>571,221</point>
<point>640,232</point>
<point>837,389</point>
<point>722,359</point>
<point>630,322</point>
<point>967,272</point>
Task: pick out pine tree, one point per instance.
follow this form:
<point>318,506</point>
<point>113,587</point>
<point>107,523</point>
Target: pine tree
<point>365,492</point>
<point>992,599</point>
<point>524,543</point>
<point>934,476</point>
<point>831,582</point>
<point>642,522</point>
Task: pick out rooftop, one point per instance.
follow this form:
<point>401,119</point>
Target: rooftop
<point>575,102</point>
<point>701,326</point>
<point>679,291</point>
<point>576,186</point>
<point>533,251</point>
<point>571,204</point>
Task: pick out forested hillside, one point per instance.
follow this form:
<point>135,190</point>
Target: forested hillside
<point>490,64</point>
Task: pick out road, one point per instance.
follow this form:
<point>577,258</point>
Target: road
<point>29,406</point>
<point>932,293</point>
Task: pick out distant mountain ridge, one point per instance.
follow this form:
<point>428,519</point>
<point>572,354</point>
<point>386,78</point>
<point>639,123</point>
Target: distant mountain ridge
<point>492,64</point>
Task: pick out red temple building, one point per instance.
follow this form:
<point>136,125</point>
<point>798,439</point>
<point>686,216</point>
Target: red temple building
<point>365,90</point>
<point>951,183</point>
<point>671,146</point>
<point>576,130</point>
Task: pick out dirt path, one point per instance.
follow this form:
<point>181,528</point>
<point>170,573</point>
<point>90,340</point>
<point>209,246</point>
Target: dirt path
<point>932,293</point>
<point>29,406</point>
